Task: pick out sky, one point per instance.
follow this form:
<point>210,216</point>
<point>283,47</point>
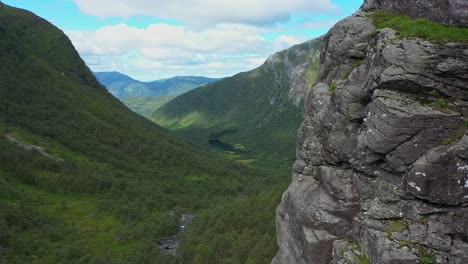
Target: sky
<point>156,39</point>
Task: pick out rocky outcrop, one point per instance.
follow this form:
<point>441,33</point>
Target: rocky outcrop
<point>30,147</point>
<point>382,161</point>
<point>449,12</point>
<point>297,67</point>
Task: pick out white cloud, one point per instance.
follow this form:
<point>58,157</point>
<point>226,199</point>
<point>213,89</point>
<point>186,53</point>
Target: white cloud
<point>216,38</point>
<point>148,70</point>
<point>163,41</point>
<point>162,50</point>
<point>208,12</point>
<point>286,41</point>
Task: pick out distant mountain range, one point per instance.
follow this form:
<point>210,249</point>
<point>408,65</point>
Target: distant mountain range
<point>123,86</point>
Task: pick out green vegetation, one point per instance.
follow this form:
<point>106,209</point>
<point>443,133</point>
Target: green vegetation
<point>310,74</point>
<point>118,182</point>
<point>357,62</point>
<point>426,219</point>
<point>348,73</point>
<point>363,259</point>
<point>398,226</point>
<point>253,106</point>
<point>225,235</point>
<point>331,89</point>
<point>455,136</point>
<point>434,93</point>
<point>405,243</point>
<point>146,105</point>
<point>441,104</point>
<point>421,28</point>
<point>426,258</point>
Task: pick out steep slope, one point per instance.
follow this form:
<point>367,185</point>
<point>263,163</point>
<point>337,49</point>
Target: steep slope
<point>82,178</point>
<point>252,109</point>
<point>382,155</point>
<point>180,84</point>
<point>48,90</point>
<point>122,86</point>
<point>146,105</point>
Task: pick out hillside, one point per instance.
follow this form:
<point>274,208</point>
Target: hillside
<point>146,105</point>
<point>85,180</point>
<point>123,86</point>
<point>250,110</point>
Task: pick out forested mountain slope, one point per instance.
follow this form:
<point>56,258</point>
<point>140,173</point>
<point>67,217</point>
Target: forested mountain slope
<point>258,111</point>
<point>85,180</point>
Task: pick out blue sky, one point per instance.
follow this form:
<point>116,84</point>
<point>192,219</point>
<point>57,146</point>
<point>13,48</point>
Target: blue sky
<point>153,39</point>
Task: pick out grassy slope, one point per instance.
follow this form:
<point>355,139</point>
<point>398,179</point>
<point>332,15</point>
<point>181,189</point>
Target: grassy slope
<point>123,179</point>
<point>240,109</point>
<point>181,84</point>
<point>146,105</point>
<point>421,28</point>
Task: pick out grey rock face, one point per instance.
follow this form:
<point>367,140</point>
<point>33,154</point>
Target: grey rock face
<point>449,12</point>
<point>382,157</point>
<point>441,176</point>
<point>295,63</point>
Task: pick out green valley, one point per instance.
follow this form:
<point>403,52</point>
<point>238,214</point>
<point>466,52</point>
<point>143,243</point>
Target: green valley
<point>146,105</point>
<point>85,180</point>
<point>349,148</point>
<point>258,111</point>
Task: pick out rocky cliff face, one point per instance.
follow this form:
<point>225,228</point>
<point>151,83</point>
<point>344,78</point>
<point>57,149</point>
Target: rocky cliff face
<point>382,165</point>
<point>449,12</point>
<point>297,67</point>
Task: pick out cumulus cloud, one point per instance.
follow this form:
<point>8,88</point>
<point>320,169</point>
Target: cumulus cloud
<point>163,50</point>
<point>164,41</point>
<point>147,70</point>
<point>286,41</point>
<point>216,38</point>
<point>208,12</point>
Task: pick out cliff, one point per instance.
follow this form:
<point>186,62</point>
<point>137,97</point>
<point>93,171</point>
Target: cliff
<point>294,69</point>
<point>382,157</point>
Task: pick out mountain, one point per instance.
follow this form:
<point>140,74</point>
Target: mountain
<point>181,84</point>
<point>123,86</point>
<point>85,180</point>
<point>382,153</point>
<point>146,105</point>
<point>257,111</point>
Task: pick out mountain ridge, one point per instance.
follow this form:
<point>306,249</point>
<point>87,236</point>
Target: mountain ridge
<point>123,86</point>
<point>250,109</point>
